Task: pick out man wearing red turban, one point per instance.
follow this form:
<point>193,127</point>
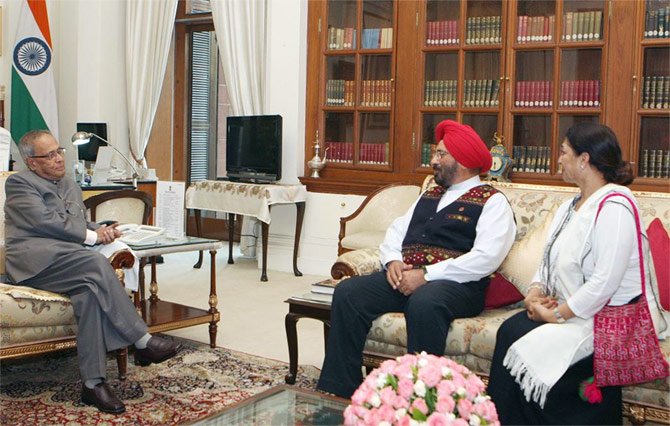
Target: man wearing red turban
<point>437,260</point>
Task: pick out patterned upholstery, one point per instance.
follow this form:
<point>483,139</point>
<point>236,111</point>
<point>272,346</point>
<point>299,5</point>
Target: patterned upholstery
<point>472,340</point>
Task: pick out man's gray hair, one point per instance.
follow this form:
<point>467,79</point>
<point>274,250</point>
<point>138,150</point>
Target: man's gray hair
<point>27,142</point>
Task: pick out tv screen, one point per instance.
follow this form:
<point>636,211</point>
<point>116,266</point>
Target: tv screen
<point>89,151</point>
<point>253,147</point>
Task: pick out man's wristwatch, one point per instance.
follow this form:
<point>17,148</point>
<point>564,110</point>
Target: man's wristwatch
<point>559,317</point>
<point>425,273</point>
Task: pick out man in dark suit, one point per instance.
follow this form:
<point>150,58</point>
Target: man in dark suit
<point>46,235</point>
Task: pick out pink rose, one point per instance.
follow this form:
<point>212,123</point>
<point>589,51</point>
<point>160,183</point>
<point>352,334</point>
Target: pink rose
<point>445,387</point>
<point>464,408</point>
<point>459,422</point>
<point>372,417</point>
<point>445,404</point>
<point>403,371</point>
<point>360,412</point>
<point>408,359</point>
<point>349,416</point>
<point>387,395</point>
<point>431,375</point>
<point>487,409</point>
<point>387,413</point>
<point>387,366</point>
<point>420,404</point>
<point>437,419</point>
<point>458,380</point>
<point>404,421</point>
<point>400,402</point>
<point>360,396</point>
<point>475,383</point>
<point>406,388</point>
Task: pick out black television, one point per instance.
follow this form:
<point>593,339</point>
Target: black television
<point>253,148</point>
<point>89,151</point>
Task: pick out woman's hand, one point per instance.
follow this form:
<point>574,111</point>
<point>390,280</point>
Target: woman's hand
<point>542,310</point>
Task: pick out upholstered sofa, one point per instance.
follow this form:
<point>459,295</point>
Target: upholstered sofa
<point>35,322</point>
<point>471,341</point>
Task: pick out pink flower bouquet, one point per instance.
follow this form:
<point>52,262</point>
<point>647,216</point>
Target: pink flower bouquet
<point>421,389</point>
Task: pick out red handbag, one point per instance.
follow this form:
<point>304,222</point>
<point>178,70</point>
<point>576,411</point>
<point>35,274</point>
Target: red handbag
<point>626,349</point>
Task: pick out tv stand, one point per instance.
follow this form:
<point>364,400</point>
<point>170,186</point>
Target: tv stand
<point>247,199</point>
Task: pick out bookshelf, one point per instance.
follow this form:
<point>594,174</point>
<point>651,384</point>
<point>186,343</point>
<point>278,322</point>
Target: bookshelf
<point>383,73</point>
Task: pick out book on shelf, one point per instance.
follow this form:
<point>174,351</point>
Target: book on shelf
<point>666,164</point>
<point>651,170</point>
<point>645,163</point>
<point>325,286</point>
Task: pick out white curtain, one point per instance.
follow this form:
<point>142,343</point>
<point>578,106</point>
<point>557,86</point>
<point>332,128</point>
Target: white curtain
<point>240,27</point>
<point>149,27</point>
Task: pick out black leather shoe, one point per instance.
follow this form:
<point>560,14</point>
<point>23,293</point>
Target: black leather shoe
<point>102,397</point>
<point>157,350</point>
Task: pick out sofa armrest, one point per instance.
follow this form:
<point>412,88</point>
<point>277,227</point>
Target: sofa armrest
<point>120,260</point>
<point>356,262</point>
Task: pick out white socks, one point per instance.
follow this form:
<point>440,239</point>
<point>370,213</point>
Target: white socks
<point>142,342</point>
<point>91,383</point>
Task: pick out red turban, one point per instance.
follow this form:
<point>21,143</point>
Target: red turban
<point>464,144</point>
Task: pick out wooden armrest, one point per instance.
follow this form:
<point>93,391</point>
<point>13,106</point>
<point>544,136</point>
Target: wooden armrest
<point>120,260</point>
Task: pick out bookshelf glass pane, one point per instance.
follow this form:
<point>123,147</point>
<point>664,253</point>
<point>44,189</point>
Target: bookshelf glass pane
<point>582,20</point>
<point>339,136</point>
<point>341,24</point>
<point>656,78</point>
<point>441,76</point>
<point>430,122</point>
<point>656,19</point>
<point>484,124</point>
<point>535,21</point>
<point>534,81</point>
<point>654,158</point>
<point>481,85</point>
<point>442,19</point>
<point>340,80</point>
<point>375,84</point>
<point>581,71</point>
<point>377,24</point>
<point>484,22</point>
<point>375,138</point>
<point>532,143</point>
<point>567,121</point>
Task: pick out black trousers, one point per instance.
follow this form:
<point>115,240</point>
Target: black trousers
<point>563,405</point>
<point>428,311</point>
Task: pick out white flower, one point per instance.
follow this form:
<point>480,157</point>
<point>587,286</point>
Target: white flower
<point>450,416</point>
<point>375,401</point>
<point>481,398</point>
<point>423,353</point>
<point>423,362</point>
<point>446,371</point>
<point>475,420</point>
<point>420,388</point>
<point>413,422</point>
<point>461,391</point>
<point>381,380</point>
<point>400,413</point>
<point>384,423</point>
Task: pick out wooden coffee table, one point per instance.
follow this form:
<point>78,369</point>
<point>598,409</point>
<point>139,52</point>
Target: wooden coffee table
<point>310,305</point>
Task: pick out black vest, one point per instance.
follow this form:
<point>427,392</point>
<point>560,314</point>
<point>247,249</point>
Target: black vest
<point>435,236</point>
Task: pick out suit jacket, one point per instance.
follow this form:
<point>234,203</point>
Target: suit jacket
<point>44,219</point>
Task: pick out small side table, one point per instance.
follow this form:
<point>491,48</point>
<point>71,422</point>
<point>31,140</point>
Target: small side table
<point>310,305</point>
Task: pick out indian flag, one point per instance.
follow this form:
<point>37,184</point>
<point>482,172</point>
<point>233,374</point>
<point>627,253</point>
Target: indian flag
<point>33,101</point>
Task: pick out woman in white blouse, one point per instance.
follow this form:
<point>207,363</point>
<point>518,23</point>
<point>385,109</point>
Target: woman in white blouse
<point>542,354</point>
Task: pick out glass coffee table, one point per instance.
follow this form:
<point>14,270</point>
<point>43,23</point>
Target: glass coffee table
<point>281,405</point>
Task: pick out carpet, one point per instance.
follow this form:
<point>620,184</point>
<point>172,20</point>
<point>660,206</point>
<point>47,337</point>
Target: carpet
<point>199,381</point>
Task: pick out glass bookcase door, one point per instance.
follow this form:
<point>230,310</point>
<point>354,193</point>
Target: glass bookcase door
<point>532,144</point>
<point>581,78</point>
<point>656,78</point>
<point>377,24</point>
<point>429,122</point>
<point>534,79</point>
<point>484,124</point>
<point>375,81</point>
<point>341,81</point>
<point>535,21</point>
<point>654,161</point>
<point>375,137</point>
<point>481,83</point>
<point>441,80</point>
<point>443,23</point>
<point>342,32</point>
<point>339,137</point>
<point>657,15</point>
<point>582,20</point>
<point>484,22</point>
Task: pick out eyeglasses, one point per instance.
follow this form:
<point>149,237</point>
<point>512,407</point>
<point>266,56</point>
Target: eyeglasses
<point>439,154</point>
<point>52,155</point>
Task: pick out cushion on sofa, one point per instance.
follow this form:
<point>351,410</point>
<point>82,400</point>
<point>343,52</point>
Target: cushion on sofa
<point>500,292</point>
<point>525,256</point>
<point>659,244</point>
<point>363,239</point>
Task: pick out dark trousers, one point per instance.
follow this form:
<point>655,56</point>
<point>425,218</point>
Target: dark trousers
<point>428,311</point>
<point>563,405</point>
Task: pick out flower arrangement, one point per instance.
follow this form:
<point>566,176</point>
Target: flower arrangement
<point>421,389</point>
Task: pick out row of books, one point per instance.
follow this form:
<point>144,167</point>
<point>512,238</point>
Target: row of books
<point>657,23</point>
<point>531,159</point>
<point>481,93</point>
<point>580,93</point>
<point>377,38</point>
<point>442,33</point>
<point>655,163</point>
<point>340,92</point>
<point>582,26</point>
<point>376,93</point>
<point>533,94</point>
<point>441,93</point>
<point>483,30</point>
<point>656,92</point>
<point>535,29</point>
<point>426,154</point>
<point>369,153</point>
<point>341,38</point>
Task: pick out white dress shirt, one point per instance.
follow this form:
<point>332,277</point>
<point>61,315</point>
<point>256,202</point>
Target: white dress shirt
<point>495,230</point>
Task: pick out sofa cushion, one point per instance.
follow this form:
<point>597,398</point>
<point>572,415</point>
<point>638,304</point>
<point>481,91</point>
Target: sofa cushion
<point>362,261</point>
<point>25,312</point>
<point>525,256</point>
<point>659,244</point>
<point>500,292</point>
<point>363,239</point>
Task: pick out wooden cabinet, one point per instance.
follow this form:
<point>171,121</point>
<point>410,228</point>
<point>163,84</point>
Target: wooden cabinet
<point>383,73</point>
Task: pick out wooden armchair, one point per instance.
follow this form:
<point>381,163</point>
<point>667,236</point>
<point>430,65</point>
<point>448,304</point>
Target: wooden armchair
<point>123,206</point>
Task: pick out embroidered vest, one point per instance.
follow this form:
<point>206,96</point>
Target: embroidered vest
<point>435,236</point>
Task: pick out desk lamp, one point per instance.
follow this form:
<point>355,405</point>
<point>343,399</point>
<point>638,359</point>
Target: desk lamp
<point>82,138</point>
